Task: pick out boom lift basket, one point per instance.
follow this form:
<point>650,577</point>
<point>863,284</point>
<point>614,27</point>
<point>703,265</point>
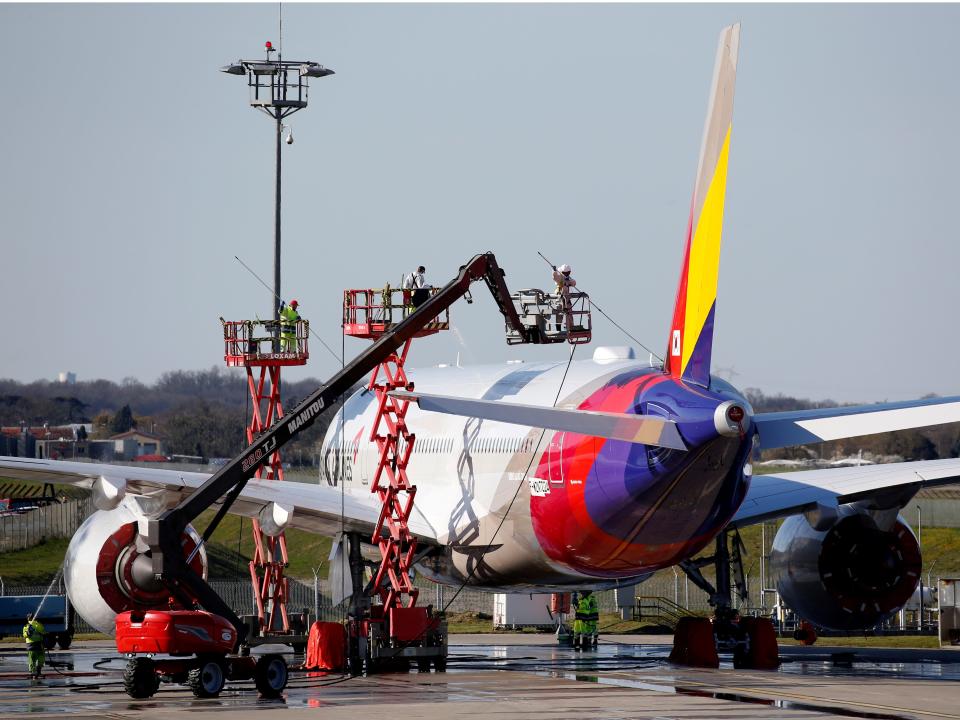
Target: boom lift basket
<point>555,318</point>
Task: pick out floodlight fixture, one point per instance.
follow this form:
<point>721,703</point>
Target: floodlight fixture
<point>279,88</point>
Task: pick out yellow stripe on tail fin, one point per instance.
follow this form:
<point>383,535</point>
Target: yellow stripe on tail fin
<point>691,333</point>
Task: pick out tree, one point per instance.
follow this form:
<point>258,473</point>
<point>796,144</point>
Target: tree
<point>123,420</point>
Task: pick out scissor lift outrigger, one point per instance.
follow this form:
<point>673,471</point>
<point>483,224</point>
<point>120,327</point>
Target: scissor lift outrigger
<point>205,664</point>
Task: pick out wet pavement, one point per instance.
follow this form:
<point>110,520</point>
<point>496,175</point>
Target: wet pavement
<point>525,677</point>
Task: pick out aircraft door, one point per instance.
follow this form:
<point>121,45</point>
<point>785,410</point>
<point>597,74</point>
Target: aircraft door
<point>555,459</point>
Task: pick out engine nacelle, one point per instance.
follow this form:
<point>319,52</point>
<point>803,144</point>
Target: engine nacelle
<point>106,573</point>
<point>852,575</point>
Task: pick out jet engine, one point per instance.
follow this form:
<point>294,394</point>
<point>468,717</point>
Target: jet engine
<point>847,568</point>
<point>107,571</point>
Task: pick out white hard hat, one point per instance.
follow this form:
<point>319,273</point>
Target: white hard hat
<point>564,268</point>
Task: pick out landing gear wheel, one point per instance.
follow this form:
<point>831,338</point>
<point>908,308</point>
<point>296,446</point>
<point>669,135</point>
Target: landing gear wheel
<point>440,664</point>
<point>270,676</point>
<point>49,642</point>
<point>64,640</point>
<point>207,680</point>
<point>140,679</point>
<point>356,666</point>
<point>423,664</point>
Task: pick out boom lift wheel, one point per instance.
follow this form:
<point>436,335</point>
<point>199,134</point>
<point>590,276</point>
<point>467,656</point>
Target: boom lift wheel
<point>270,676</point>
<point>140,678</point>
<point>207,679</point>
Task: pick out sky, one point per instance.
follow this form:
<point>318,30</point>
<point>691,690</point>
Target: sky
<point>133,172</point>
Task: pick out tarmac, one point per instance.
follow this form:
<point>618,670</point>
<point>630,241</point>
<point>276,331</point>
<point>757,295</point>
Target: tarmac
<point>522,676</point>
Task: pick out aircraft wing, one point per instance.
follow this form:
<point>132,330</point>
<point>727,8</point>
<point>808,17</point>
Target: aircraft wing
<point>802,427</point>
<point>781,494</point>
<point>316,508</point>
<point>617,426</point>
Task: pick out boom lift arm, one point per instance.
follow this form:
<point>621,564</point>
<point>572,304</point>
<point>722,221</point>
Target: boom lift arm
<point>163,535</point>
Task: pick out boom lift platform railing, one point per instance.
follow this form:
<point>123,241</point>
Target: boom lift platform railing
<point>556,317</point>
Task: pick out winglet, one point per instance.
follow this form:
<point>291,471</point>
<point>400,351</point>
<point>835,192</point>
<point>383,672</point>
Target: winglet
<point>691,333</point>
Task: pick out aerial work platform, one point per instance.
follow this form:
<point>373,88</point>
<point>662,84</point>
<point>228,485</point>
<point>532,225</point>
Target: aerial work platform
<point>557,318</point>
<point>263,344</point>
<point>258,343</point>
<point>368,313</point>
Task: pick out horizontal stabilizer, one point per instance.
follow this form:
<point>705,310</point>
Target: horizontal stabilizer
<point>803,427</point>
<point>614,426</point>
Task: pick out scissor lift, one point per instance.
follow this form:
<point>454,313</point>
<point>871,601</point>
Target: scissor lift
<point>257,346</point>
<point>395,632</point>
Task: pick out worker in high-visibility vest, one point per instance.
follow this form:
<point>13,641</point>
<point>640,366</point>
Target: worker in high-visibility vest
<point>288,325</point>
<point>33,636</point>
<point>585,622</point>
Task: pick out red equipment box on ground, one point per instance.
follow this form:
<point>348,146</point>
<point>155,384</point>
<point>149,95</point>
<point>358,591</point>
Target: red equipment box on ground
<point>174,632</point>
<point>411,624</point>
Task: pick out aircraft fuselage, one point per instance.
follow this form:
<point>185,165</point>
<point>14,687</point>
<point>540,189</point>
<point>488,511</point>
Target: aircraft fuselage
<point>575,510</point>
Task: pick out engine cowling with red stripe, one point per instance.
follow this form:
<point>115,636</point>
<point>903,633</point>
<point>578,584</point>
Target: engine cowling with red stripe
<point>106,573</point>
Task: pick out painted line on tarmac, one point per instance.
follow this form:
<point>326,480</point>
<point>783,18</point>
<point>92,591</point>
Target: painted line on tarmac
<point>762,693</point>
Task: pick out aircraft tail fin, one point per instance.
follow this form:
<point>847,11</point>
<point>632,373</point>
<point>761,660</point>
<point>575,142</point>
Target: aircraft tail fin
<point>691,333</point>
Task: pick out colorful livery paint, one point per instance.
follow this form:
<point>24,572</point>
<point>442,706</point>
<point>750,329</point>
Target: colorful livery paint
<point>691,333</point>
<point>523,506</point>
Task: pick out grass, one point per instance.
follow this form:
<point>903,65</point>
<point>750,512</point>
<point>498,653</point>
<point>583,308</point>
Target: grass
<point>306,551</point>
<point>39,564</point>
<point>33,566</point>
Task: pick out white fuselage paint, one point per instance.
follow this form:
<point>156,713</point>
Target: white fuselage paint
<point>467,471</point>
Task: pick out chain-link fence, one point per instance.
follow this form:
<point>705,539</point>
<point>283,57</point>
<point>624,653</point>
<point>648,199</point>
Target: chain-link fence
<point>315,597</point>
<point>56,520</point>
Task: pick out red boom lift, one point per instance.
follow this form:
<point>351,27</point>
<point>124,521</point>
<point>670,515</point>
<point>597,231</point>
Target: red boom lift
<point>206,641</point>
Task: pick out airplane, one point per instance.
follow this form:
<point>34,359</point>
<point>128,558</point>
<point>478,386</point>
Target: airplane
<point>575,474</point>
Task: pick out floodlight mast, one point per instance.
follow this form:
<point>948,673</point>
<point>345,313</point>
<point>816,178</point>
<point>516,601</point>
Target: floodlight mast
<point>279,88</point>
